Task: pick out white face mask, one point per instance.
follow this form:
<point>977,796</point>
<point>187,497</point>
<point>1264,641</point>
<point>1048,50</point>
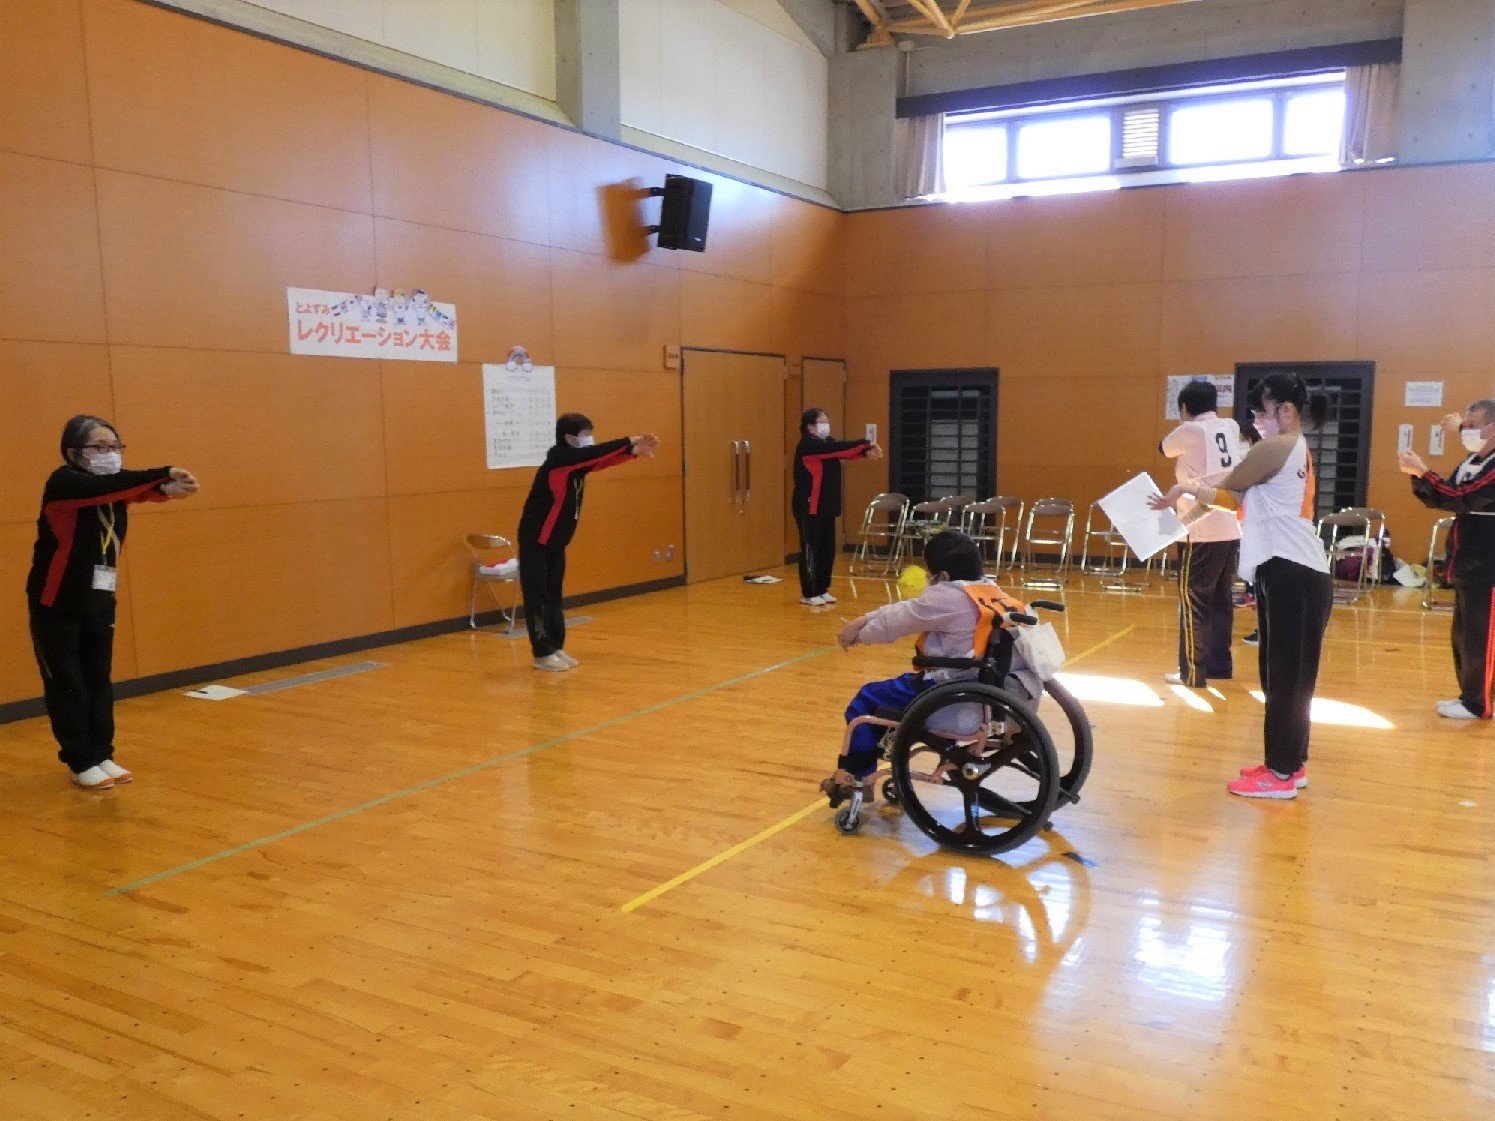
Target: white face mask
<point>1472,439</point>
<point>823,430</point>
<point>584,441</point>
<point>1267,426</point>
<point>103,463</point>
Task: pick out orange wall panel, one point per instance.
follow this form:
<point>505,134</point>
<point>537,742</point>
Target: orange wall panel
<point>596,196</point>
<point>433,430</point>
<point>812,323</point>
<point>613,316</point>
<point>43,81</point>
<point>443,161</point>
<point>1076,332</point>
<point>809,247</point>
<point>1306,224</point>
<point>182,99</point>
<point>1107,238</point>
<point>623,520</point>
<point>43,384</point>
<point>501,288</point>
<point>50,248</point>
<point>722,314</point>
<point>739,239</point>
<point>256,429</point>
<point>208,269</point>
<point>1429,324</point>
<point>920,249</point>
<point>916,332</point>
<point>1429,218</point>
<point>627,403</point>
<point>430,566</point>
<point>1210,325</point>
<point>215,584</point>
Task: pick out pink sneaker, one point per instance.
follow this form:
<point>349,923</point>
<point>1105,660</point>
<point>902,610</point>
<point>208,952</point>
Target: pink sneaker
<point>1262,783</point>
<point>1300,776</point>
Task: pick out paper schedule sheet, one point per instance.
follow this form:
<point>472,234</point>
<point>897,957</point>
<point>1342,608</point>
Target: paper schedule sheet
<point>1146,531</point>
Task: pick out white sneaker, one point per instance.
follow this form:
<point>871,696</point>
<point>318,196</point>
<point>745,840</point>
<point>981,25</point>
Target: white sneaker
<point>812,601</point>
<point>1173,678</point>
<point>116,772</point>
<point>826,597</point>
<point>1455,710</point>
<point>93,779</point>
<point>552,662</point>
<point>571,663</point>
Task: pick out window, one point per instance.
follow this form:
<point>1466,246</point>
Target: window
<point>1271,127</point>
<point>975,155</point>
<point>943,433</point>
<point>1314,123</point>
<point>1068,146</point>
<point>1220,132</point>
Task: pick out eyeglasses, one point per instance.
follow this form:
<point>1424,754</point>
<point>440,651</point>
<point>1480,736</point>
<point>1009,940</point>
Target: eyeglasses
<point>103,447</point>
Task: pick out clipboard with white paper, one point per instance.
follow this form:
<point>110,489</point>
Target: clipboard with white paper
<point>1146,531</point>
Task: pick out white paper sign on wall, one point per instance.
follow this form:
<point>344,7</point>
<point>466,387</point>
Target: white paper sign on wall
<point>410,328</point>
<point>1423,395</point>
<point>518,415</point>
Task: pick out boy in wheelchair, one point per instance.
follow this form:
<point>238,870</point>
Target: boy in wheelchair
<point>953,619</point>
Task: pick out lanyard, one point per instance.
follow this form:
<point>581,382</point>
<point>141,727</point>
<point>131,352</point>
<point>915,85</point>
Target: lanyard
<point>108,537</point>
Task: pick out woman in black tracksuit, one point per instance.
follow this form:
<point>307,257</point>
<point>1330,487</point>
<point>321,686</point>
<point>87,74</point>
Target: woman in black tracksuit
<point>70,591</point>
<point>817,501</point>
<point>548,522</point>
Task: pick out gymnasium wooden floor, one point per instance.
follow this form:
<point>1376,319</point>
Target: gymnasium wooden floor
<point>401,894</point>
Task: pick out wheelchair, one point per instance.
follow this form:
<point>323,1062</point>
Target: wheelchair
<point>969,761</point>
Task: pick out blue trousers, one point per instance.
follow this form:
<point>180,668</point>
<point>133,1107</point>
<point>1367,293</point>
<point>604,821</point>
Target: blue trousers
<point>896,692</point>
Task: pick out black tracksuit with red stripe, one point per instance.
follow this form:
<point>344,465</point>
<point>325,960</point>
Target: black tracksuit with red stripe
<point>1470,496</point>
<point>545,529</point>
<point>72,622</point>
<point>817,505</point>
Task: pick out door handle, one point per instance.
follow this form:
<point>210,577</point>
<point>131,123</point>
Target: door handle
<point>747,486</point>
<point>736,471</point>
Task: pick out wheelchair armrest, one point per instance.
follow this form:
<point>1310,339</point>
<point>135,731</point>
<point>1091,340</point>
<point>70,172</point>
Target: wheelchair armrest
<point>923,662</point>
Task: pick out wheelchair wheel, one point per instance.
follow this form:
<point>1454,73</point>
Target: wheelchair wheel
<point>890,791</point>
<point>847,822</point>
<point>1074,741</point>
<point>987,798</point>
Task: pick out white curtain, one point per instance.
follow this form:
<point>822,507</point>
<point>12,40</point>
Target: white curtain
<point>1370,116</point>
<point>921,156</point>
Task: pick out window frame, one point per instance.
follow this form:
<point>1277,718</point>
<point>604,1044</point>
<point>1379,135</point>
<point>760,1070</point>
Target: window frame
<point>1278,91</point>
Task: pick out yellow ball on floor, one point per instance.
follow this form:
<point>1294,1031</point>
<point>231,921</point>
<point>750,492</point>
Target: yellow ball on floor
<point>913,579</point>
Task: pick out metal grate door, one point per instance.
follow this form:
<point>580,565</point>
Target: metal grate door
<point>944,433</point>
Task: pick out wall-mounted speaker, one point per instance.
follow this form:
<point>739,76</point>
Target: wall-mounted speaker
<point>684,213</point>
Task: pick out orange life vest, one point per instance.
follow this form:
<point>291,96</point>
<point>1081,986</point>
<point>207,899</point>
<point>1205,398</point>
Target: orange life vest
<point>991,603</point>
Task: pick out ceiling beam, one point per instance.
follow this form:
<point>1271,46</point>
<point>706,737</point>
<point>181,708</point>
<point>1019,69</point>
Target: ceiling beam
<point>816,19</point>
<point>1021,14</point>
<point>934,14</point>
<point>881,36</point>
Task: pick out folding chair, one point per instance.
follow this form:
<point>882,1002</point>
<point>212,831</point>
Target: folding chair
<point>490,569</point>
<point>924,520</point>
<point>1437,550</point>
<point>1377,536</point>
<point>1346,537</point>
<point>955,505</point>
<point>1112,556</point>
<point>1056,531</point>
<point>989,524</point>
<point>882,528</point>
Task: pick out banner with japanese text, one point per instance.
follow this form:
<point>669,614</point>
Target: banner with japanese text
<point>383,324</point>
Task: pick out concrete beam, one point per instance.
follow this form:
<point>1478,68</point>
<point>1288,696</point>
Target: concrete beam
<point>817,19</point>
<point>1447,98</point>
<point>863,97</point>
<point>588,68</point>
<point>1154,37</point>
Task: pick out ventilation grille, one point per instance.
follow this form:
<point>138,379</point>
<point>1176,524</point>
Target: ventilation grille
<point>1140,131</point>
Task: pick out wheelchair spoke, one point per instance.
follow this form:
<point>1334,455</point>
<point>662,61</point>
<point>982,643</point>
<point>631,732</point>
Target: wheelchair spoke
<point>971,794</point>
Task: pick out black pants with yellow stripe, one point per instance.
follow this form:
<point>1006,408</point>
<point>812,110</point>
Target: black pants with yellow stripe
<point>1206,610</point>
<point>1474,645</point>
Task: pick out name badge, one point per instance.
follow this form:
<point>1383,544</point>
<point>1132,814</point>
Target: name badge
<point>105,579</point>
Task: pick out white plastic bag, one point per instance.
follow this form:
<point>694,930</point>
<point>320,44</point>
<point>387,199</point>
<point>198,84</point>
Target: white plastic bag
<point>1040,648</point>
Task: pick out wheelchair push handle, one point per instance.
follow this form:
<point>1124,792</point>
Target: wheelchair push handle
<point>1021,619</point>
<point>1047,604</point>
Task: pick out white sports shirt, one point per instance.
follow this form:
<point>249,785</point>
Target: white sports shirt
<point>1204,450</point>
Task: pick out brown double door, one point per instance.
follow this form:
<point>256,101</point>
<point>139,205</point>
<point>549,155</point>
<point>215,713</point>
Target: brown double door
<point>734,462</point>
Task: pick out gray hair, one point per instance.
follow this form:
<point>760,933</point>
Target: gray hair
<point>1486,406</point>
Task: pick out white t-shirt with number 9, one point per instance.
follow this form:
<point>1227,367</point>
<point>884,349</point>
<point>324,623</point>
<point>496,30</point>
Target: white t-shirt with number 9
<point>1204,450</point>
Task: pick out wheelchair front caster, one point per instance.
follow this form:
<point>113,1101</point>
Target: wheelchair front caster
<point>890,792</point>
<point>848,821</point>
